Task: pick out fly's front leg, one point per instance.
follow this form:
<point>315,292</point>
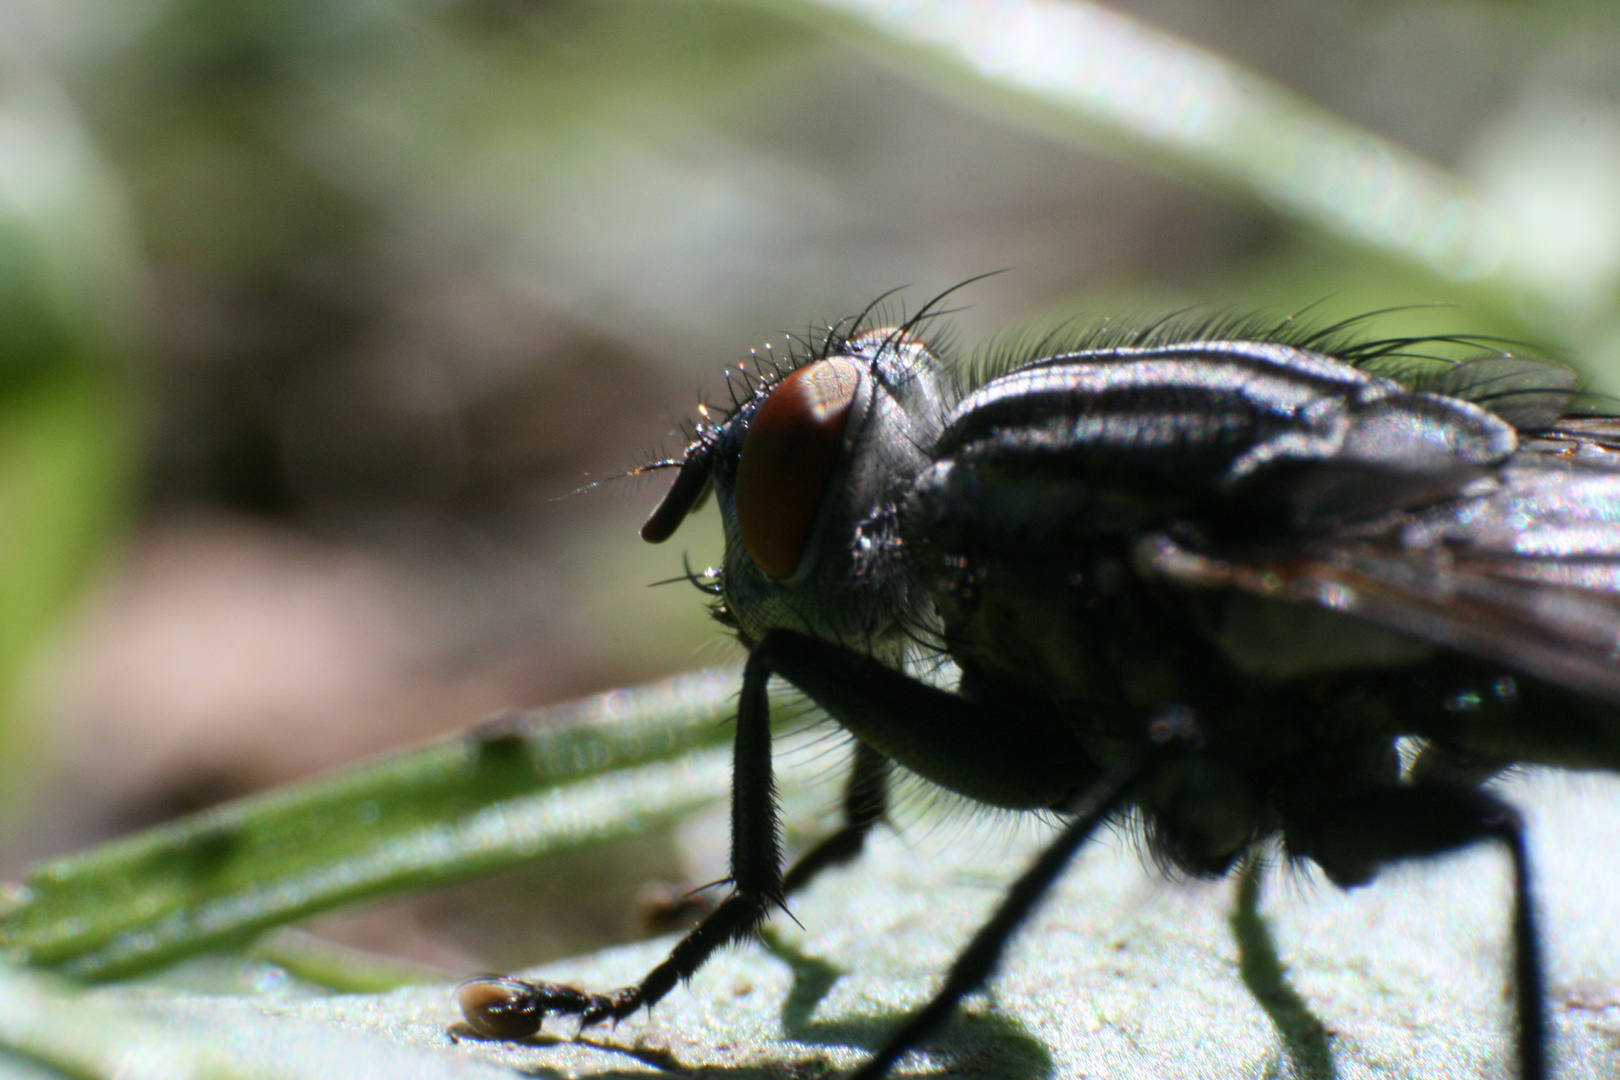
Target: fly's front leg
<point>508,1008</point>
<point>866,800</point>
<point>963,745</point>
<point>1352,838</point>
<point>1020,760</point>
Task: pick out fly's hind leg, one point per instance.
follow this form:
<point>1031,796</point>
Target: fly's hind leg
<point>1352,838</point>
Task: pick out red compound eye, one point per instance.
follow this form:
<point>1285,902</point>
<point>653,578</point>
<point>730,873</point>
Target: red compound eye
<point>788,458</point>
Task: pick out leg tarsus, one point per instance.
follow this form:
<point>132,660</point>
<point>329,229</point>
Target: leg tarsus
<point>506,1008</point>
<point>501,1007</point>
<point>1529,980</point>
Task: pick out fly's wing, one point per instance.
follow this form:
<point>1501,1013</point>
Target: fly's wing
<point>1473,516</point>
<point>1523,569</point>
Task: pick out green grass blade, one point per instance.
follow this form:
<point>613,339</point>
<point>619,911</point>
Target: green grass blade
<point>505,792</point>
<point>339,968</point>
<point>1089,75</point>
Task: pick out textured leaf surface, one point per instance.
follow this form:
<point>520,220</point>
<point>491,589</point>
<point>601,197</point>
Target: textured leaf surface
<point>1122,974</point>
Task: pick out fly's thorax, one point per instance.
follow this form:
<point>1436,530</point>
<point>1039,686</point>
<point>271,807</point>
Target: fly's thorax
<point>1267,434</point>
<point>807,476</point>
<point>1060,616</point>
<point>1045,477</point>
<point>1031,575</point>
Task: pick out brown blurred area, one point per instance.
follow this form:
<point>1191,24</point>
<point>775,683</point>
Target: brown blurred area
<point>412,272</point>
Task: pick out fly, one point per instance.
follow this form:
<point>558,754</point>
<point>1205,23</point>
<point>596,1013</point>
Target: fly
<point>1208,578</point>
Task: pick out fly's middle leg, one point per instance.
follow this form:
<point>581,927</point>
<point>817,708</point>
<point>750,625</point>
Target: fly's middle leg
<point>866,800</point>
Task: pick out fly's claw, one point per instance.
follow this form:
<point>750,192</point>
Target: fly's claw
<point>615,1006</point>
<point>501,1007</point>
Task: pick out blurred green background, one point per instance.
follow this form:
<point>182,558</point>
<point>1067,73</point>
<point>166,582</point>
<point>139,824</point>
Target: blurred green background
<point>311,314</point>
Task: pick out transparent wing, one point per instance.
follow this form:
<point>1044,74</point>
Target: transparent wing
<point>1523,569</point>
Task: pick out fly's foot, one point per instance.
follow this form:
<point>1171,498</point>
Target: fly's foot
<point>501,1007</point>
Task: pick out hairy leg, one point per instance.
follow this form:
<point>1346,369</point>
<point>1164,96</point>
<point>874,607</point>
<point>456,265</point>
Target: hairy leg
<point>866,799</point>
<point>978,961</point>
<point>508,1008</point>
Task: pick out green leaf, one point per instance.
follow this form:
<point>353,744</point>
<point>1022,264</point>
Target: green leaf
<point>47,1029</point>
<point>1121,973</point>
<point>507,792</point>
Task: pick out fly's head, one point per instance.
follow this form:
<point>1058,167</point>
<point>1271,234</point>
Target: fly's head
<point>808,471</point>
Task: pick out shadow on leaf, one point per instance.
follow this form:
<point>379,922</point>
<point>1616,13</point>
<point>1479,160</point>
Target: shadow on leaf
<point>973,1044</point>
